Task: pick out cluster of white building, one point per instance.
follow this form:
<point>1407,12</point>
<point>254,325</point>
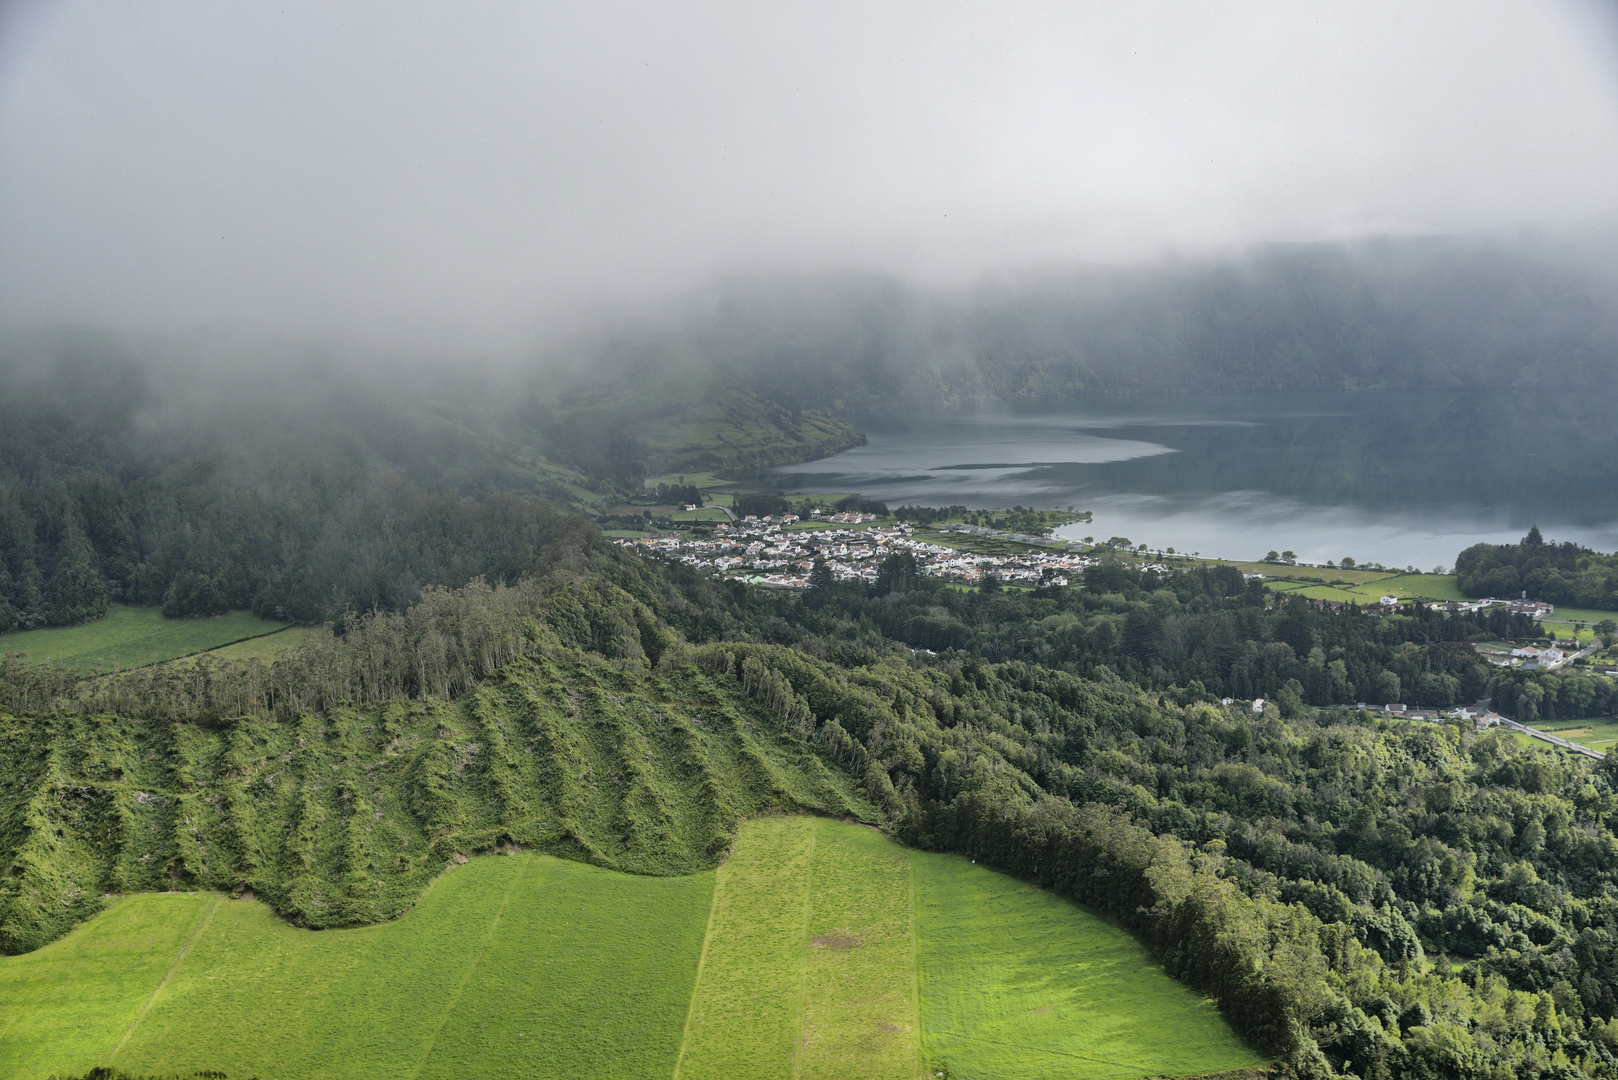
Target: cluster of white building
<point>1538,610</point>
<point>761,552</point>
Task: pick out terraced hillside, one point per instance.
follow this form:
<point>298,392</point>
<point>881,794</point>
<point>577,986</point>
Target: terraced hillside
<point>819,948</point>
<point>346,817</point>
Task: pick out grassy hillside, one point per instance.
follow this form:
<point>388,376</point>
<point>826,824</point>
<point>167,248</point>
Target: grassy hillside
<point>1018,982</point>
<point>135,636</point>
<point>686,422</point>
<point>818,949</point>
<point>833,952</point>
<point>345,818</point>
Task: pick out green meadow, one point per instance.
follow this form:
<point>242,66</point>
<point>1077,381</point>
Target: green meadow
<point>266,649</point>
<point>1017,982</point>
<point>817,949</point>
<point>706,513</point>
<point>833,952</point>
<point>134,637</point>
<point>1355,586</point>
<point>1598,733</point>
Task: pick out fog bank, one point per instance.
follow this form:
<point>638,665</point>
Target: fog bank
<point>441,176</point>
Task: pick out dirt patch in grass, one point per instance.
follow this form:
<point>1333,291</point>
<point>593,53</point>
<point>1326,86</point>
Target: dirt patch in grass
<point>835,942</point>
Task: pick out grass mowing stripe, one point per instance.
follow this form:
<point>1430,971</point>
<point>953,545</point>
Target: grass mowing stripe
<point>915,966</point>
<point>702,962</point>
<point>1016,981</point>
<point>68,1003</point>
<point>803,953</point>
<point>472,969</point>
<point>158,989</point>
<point>859,1008</point>
<point>744,1018</point>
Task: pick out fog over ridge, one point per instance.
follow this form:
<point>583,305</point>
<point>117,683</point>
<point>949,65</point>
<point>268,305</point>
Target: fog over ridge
<point>438,178</point>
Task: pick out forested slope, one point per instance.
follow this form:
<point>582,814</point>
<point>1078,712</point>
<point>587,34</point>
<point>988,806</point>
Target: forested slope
<point>301,490</point>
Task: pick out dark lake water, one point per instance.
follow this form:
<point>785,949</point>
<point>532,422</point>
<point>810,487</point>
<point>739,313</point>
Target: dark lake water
<point>1398,479</point>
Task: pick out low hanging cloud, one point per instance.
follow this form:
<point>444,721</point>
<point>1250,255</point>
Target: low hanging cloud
<point>462,172</point>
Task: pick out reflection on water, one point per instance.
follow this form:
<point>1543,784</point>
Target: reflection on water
<point>1399,479</point>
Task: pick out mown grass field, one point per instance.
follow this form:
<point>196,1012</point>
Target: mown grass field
<point>1598,733</point>
<point>1357,586</point>
<point>265,649</point>
<point>1369,586</point>
<point>748,1008</point>
<point>134,637</point>
<point>1018,982</point>
<point>818,949</point>
<point>833,952</point>
<point>706,513</point>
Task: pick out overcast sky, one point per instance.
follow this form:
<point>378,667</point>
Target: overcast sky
<point>470,170</point>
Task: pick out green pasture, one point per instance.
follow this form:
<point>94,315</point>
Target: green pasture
<point>706,513</point>
<point>1596,732</point>
<point>1588,616</point>
<point>983,545</point>
<point>266,649</point>
<point>134,637</point>
<point>1353,586</point>
<point>818,949</point>
<point>703,480</point>
<point>1019,982</point>
<point>1314,574</point>
<point>1565,618</point>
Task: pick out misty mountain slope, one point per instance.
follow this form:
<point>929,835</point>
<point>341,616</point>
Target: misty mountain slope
<point>225,475</point>
<point>1453,314</point>
<point>657,413</point>
<point>234,469</point>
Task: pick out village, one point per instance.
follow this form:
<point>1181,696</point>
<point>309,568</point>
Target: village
<point>780,551</point>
